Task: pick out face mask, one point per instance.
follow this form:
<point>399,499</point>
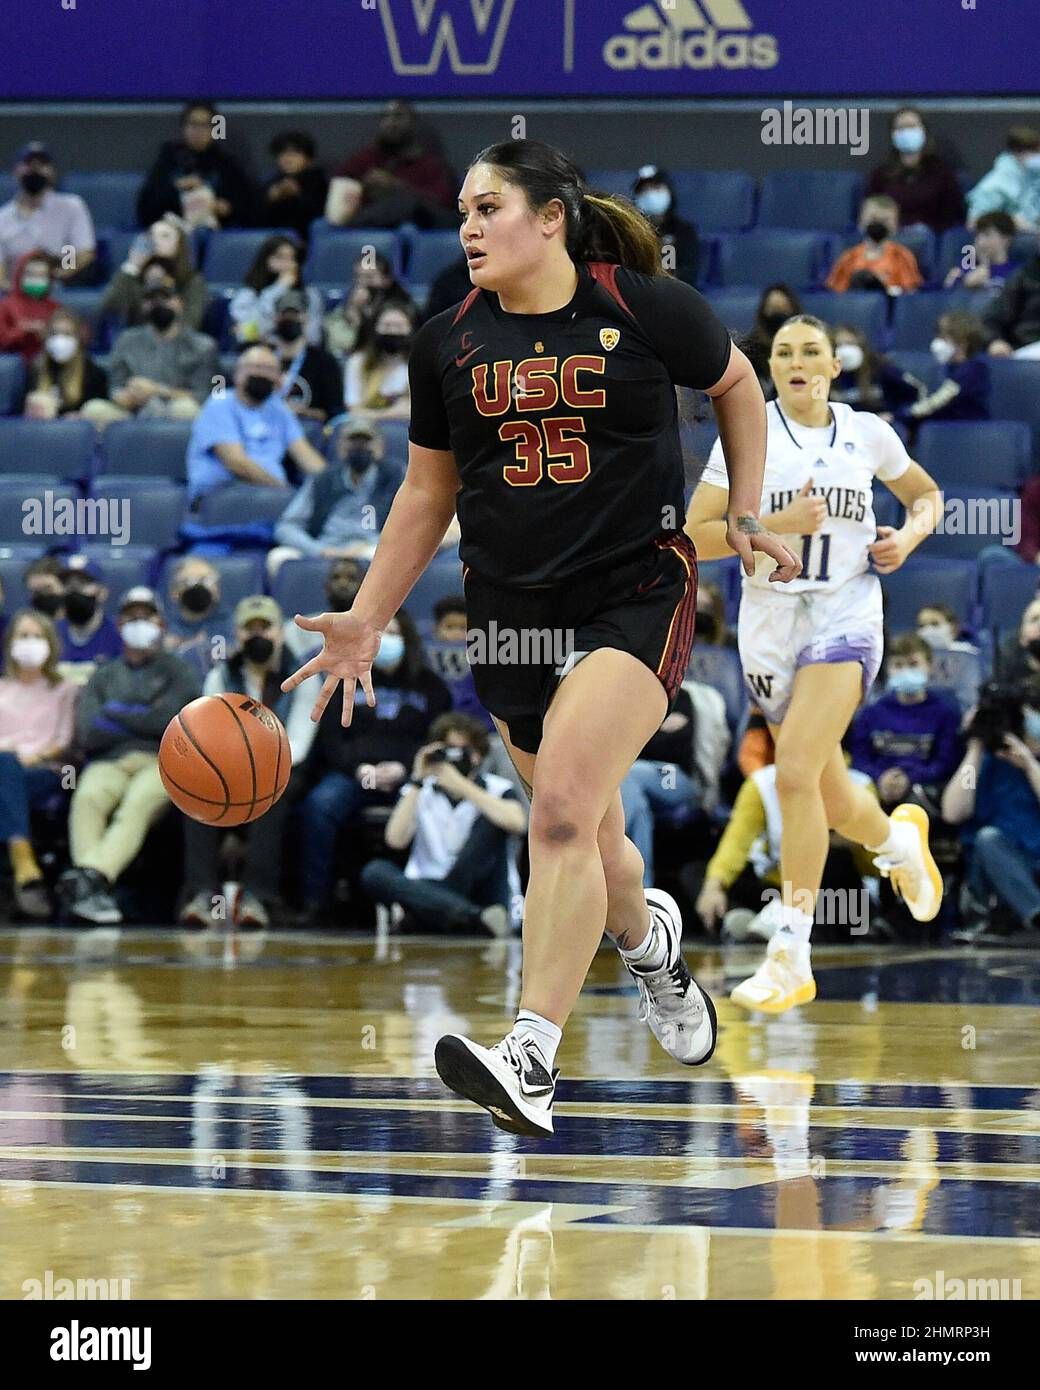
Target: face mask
<point>360,457</point>
<point>197,598</point>
<point>937,635</point>
<point>655,202</point>
<point>61,347</point>
<point>393,342</point>
<point>34,182</point>
<point>258,649</point>
<point>461,758</point>
<point>1032,162</point>
<point>258,388</point>
<point>774,322</point>
<point>340,599</point>
<point>876,231</point>
<point>36,289</point>
<point>161,316</point>
<point>288,329</point>
<point>141,634</point>
<point>47,603</point>
<point>941,349</point>
<point>850,355</point>
<point>907,682</point>
<point>391,650</point>
<point>80,608</point>
<point>705,625</point>
<point>1031,724</point>
<point>909,140</point>
<point>30,651</point>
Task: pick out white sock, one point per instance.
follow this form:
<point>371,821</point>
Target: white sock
<point>652,952</point>
<point>541,1031</point>
<point>794,922</point>
<point>895,841</point>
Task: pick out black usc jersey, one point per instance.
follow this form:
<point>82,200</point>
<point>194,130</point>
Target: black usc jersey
<point>564,426</point>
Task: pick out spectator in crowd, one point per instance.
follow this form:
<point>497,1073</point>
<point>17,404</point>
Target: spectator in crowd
<point>1013,184</point>
<point>997,788</point>
<point>376,380</point>
<point>654,196</point>
<point>989,261</point>
<point>341,511</point>
<point>916,177</point>
<point>295,195</point>
<point>86,634</point>
<point>39,219</point>
<point>1019,658</point>
<point>36,720</point>
<point>710,626</point>
<point>166,240</point>
<point>277,268</point>
<point>447,653</point>
<point>1013,318</point>
<point>365,763</point>
<point>196,177</point>
<point>757,748</point>
<point>312,379</point>
<point>663,782</point>
<point>162,370</point>
<point>402,177</point>
<point>450,286</point>
<point>43,580</point>
<point>27,308</point>
<point>256,667</point>
<point>457,817</point>
<point>122,714</point>
<point>342,581</point>
<point>777,304</point>
<point>373,283</point>
<point>876,262</point>
<point>199,624</point>
<point>64,376</point>
<point>939,628</point>
<point>910,736</point>
<point>960,345</point>
<point>244,435</point>
<point>868,380</point>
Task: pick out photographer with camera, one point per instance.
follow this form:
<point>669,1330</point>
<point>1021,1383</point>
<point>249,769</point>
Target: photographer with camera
<point>997,788</point>
<point>458,821</point>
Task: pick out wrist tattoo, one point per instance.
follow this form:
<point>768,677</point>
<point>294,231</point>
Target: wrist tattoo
<point>749,525</point>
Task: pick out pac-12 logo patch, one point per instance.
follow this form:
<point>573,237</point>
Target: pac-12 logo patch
<point>609,337</point>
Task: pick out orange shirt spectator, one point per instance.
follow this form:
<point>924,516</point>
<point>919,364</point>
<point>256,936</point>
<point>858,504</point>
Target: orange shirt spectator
<point>894,265</point>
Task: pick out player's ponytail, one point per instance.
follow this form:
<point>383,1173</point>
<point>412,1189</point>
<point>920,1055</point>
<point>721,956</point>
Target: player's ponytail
<point>600,226</point>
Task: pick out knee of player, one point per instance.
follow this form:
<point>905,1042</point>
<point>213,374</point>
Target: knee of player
<point>796,776</point>
<point>560,818</point>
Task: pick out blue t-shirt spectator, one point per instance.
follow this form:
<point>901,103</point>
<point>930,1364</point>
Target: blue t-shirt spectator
<point>1005,800</point>
<point>264,431</point>
<point>921,739</point>
<point>103,644</point>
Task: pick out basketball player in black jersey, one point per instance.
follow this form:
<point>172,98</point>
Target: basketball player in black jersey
<point>543,411</point>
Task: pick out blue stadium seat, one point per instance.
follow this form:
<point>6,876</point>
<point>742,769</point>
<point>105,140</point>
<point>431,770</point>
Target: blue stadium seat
<point>720,668</point>
<point>54,448</point>
<point>816,199</point>
<point>1007,590</point>
<point>123,566</point>
<point>1016,391</point>
<point>612,180</point>
<point>735,307</point>
<point>333,253</point>
<point>21,525</point>
<point>240,575</point>
<point>299,585</point>
<point>443,576</point>
<point>715,199</point>
<point>13,560</point>
<point>155,508</point>
<point>916,316</point>
<point>726,575</point>
<point>111,196</point>
<point>974,518</point>
<point>87,303</point>
<point>951,248</point>
<point>428,254</point>
<point>760,257</point>
<point>858,309</point>
<point>959,674</point>
<point>888,510</point>
<point>146,449</point>
<point>967,453</point>
<point>12,383</point>
<point>923,581</point>
<point>238,503</point>
<point>919,364</point>
<point>395,433</point>
<point>697,440</point>
<point>230,254</point>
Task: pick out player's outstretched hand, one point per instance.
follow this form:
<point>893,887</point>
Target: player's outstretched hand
<point>745,534</point>
<point>350,646</point>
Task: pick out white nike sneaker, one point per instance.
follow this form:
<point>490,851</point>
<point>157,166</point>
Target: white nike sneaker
<point>783,980</point>
<point>912,871</point>
<point>510,1080</point>
<point>680,1014</point>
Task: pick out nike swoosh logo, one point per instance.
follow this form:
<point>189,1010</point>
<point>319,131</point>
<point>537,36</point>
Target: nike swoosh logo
<point>461,361</point>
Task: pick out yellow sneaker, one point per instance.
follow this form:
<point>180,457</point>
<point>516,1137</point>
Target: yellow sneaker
<point>783,980</point>
<point>912,871</point>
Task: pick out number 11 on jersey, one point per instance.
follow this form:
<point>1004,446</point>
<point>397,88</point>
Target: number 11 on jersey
<point>822,574</point>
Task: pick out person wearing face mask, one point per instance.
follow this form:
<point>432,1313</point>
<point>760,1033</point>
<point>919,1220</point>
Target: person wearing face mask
<point>245,434</point>
<point>43,581</point>
<point>401,177</point>
<point>366,762</point>
<point>376,378</point>
<point>341,585</point>
<point>458,819</point>
<point>196,161</point>
<point>64,375</point>
<point>121,717</point>
<point>38,218</point>
<point>996,789</point>
<point>1019,657</point>
<point>868,380</point>
<point>168,238</point>
<point>938,626</point>
<point>917,177</point>
<point>964,394</point>
<point>26,311</point>
<point>256,667</point>
<point>199,625</point>
<point>162,369</point>
<point>340,512</point>
<point>277,268</point>
<point>87,636</point>
<point>654,196</point>
<point>778,303</point>
<point>877,260</point>
<point>1013,184</point>
<point>312,379</point>
<point>36,722</point>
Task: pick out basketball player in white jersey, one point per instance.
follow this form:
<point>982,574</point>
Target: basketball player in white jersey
<point>811,649</point>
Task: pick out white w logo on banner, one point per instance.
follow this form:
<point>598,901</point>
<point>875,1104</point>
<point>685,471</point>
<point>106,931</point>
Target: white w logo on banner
<point>422,33</point>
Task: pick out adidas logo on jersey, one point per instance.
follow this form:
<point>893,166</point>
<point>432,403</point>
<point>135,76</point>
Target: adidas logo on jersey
<point>671,34</point>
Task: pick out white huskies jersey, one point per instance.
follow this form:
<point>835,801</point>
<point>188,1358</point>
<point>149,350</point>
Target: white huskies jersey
<point>842,460</point>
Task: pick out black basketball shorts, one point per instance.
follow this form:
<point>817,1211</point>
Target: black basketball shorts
<point>522,642</point>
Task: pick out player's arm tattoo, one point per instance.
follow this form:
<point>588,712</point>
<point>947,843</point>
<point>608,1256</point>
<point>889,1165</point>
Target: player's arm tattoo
<point>749,525</point>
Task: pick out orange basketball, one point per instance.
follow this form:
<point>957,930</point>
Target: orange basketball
<point>224,760</point>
